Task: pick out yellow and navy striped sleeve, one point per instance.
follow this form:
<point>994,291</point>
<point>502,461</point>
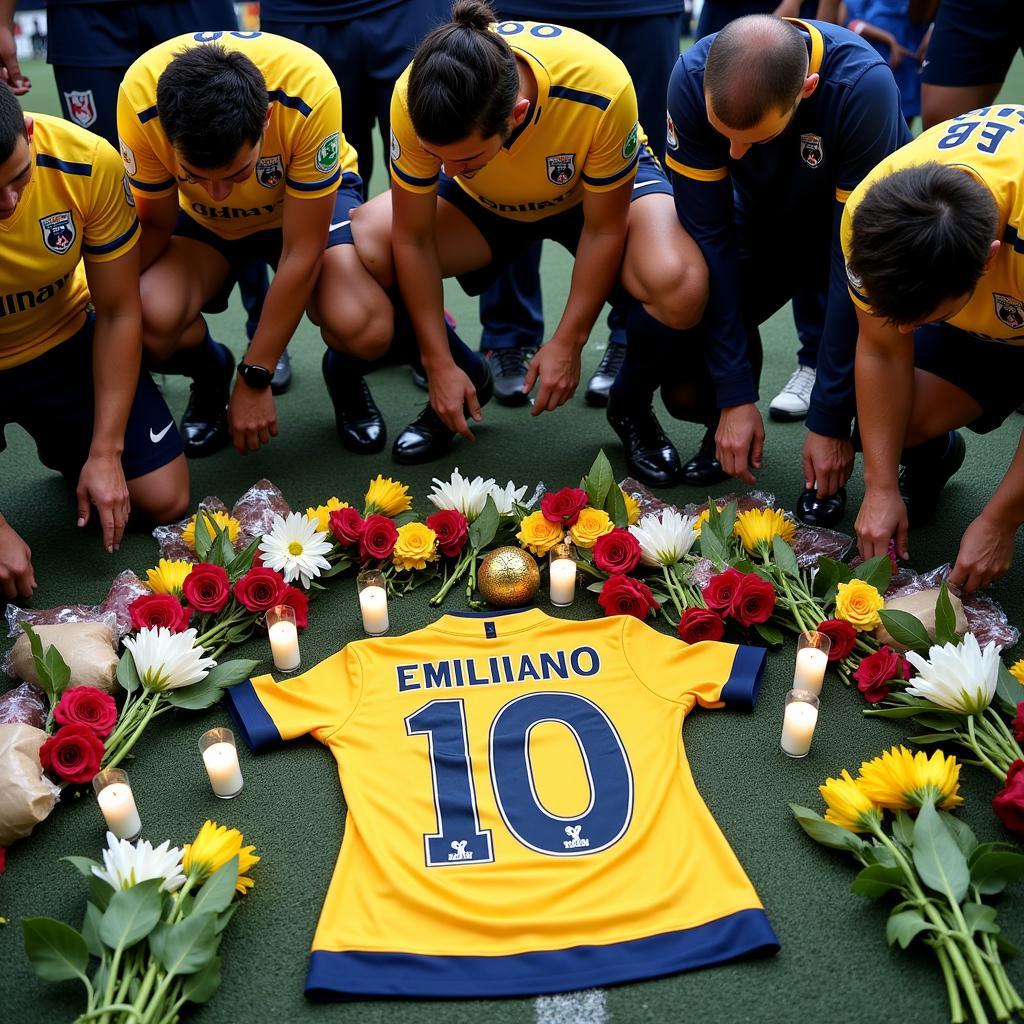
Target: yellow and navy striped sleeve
<point>147,174</point>
<point>412,167</point>
<point>111,227</point>
<point>320,152</point>
<point>613,157</point>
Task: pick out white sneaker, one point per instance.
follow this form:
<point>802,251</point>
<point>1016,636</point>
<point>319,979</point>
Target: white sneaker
<point>792,402</point>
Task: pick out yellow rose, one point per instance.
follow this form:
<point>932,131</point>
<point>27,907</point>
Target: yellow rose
<point>592,523</point>
<point>538,535</point>
<point>416,545</point>
<point>858,604</point>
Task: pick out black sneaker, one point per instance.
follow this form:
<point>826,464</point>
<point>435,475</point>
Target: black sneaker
<point>508,367</point>
<point>204,427</point>
<point>704,468</point>
<point>602,379</point>
<point>650,455</point>
<point>923,474</point>
<point>359,422</point>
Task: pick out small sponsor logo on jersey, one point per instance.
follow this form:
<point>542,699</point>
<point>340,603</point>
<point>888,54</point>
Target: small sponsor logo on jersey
<point>561,168</point>
<point>81,107</point>
<point>574,842</point>
<point>629,146</point>
<point>854,279</point>
<point>327,154</point>
<point>269,171</point>
<point>1009,310</point>
<point>129,197</point>
<point>810,150</point>
<point>396,149</point>
<point>670,132</point>
<point>127,156</point>
<point>461,853</point>
<point>58,231</point>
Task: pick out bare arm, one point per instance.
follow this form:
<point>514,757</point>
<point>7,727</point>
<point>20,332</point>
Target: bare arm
<point>157,218</point>
<point>9,69</point>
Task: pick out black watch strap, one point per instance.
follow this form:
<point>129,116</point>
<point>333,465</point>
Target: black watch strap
<point>257,377</point>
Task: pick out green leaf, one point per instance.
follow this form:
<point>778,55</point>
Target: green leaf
<point>939,721</point>
<point>223,920</point>
<point>241,563</point>
<point>771,635</point>
<point>1008,689</point>
<point>961,832</point>
<point>188,946</point>
<point>91,930</point>
<point>906,629</point>
<point>485,526</point>
<point>712,548</point>
<point>615,506</point>
<point>218,890</point>
<point>981,918</point>
<point>825,832</point>
<point>127,673</point>
<point>56,950</point>
<point>100,893</point>
<point>877,571</point>
<point>903,828</point>
<point>596,588</point>
<point>945,618</point>
<point>829,575</point>
<point>939,861</point>
<point>200,987</point>
<point>195,697</point>
<point>876,880</point>
<point>83,865</point>
<point>132,914</point>
<point>904,926</point>
<point>993,870</point>
<point>227,673</point>
<point>226,550</point>
<point>784,557</point>
<point>51,668</point>
<point>206,529</point>
<point>57,667</point>
<point>725,521</point>
<point>598,482</point>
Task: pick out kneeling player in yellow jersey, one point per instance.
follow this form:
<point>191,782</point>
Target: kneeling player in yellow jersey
<point>503,134</point>
<point>233,149</point>
<point>935,259</point>
<point>70,371</point>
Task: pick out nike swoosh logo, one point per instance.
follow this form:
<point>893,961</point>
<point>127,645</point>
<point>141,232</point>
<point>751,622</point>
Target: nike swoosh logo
<point>157,438</point>
<point>340,224</point>
<point>643,184</point>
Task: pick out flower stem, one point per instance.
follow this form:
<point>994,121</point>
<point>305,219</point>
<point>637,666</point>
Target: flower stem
<point>956,1005</point>
<point>977,748</point>
<point>136,732</point>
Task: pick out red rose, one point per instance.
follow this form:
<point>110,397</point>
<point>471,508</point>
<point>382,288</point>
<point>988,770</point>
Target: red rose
<point>88,706</point>
<point>299,600</point>
<point>564,506</point>
<point>701,624</point>
<point>754,600</point>
<point>1018,723</point>
<point>259,589</point>
<point>623,595</point>
<point>617,552</point>
<point>876,671</point>
<point>378,539</point>
<point>842,635</point>
<point>1009,802</point>
<point>721,589</point>
<point>73,753</point>
<point>207,587</point>
<point>347,525</point>
<point>452,529</point>
<point>152,610</point>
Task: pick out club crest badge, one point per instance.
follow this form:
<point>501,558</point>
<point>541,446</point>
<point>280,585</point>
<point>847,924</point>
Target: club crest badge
<point>269,171</point>
<point>810,150</point>
<point>632,141</point>
<point>561,168</point>
<point>396,149</point>
<point>327,154</point>
<point>670,132</point>
<point>58,231</point>
<point>127,156</point>
<point>81,107</point>
<point>1009,310</point>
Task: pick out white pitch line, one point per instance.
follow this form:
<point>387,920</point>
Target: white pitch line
<point>587,1007</point>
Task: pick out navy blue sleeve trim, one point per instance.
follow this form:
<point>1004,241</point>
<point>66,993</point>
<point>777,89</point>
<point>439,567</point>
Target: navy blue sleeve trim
<point>563,92</point>
<point>410,180</point>
<point>617,176</point>
<point>744,682</point>
<point>313,186</point>
<point>339,975</point>
<point>148,114</point>
<point>45,160</point>
<point>1010,237</point>
<point>99,250</point>
<point>294,102</point>
<point>251,717</point>
<point>146,186</point>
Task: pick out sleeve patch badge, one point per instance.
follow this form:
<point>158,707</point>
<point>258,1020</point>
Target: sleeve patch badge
<point>670,132</point>
<point>327,154</point>
<point>127,156</point>
<point>396,149</point>
<point>629,146</point>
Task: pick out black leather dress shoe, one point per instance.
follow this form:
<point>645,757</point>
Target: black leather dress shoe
<point>204,427</point>
<point>815,511</point>
<point>650,455</point>
<point>508,367</point>
<point>924,473</point>
<point>359,422</point>
<point>704,469</point>
<point>602,379</point>
<point>282,379</point>
<point>427,438</point>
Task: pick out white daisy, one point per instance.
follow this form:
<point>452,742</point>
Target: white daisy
<point>505,497</point>
<point>462,494</point>
<point>665,537</point>
<point>295,548</point>
<point>166,660</point>
<point>961,677</point>
<point>126,864</point>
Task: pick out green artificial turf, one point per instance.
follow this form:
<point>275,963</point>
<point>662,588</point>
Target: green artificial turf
<point>834,965</point>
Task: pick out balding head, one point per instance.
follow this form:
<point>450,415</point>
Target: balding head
<point>756,66</point>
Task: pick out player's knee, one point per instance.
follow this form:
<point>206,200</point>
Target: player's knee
<point>162,496</point>
<point>162,320</point>
<point>371,229</point>
<point>361,329</point>
<point>680,303</point>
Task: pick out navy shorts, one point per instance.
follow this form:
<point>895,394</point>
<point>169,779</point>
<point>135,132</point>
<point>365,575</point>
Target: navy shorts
<point>974,42</point>
<point>51,397</point>
<point>507,238</point>
<point>991,372</point>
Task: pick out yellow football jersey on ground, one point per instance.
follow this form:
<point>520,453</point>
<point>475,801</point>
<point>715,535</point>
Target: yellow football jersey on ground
<point>988,144</point>
<point>76,207</point>
<point>582,132</point>
<point>304,152</point>
<point>521,814</point>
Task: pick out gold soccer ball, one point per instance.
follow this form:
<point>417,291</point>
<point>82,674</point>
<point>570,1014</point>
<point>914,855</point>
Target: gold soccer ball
<point>508,577</point>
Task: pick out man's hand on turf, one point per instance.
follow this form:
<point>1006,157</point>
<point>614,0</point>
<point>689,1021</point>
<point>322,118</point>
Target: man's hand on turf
<point>451,393</point>
<point>882,517</point>
<point>102,483</point>
<point>986,551</point>
<point>739,441</point>
<point>252,417</point>
<point>557,366</point>
<point>17,580</point>
<point>828,463</point>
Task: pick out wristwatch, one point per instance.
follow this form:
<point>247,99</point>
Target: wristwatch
<point>257,377</point>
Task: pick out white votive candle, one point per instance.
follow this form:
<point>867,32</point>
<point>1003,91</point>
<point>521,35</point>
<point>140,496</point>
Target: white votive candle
<point>284,642</point>
<point>798,723</point>
<point>373,602</point>
<point>563,582</point>
<point>221,762</point>
<point>810,669</point>
<point>117,802</point>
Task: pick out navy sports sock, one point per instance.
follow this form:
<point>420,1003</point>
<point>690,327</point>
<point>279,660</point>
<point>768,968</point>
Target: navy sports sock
<point>405,350</point>
<point>649,343</point>
<point>208,358</point>
<point>927,451</point>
